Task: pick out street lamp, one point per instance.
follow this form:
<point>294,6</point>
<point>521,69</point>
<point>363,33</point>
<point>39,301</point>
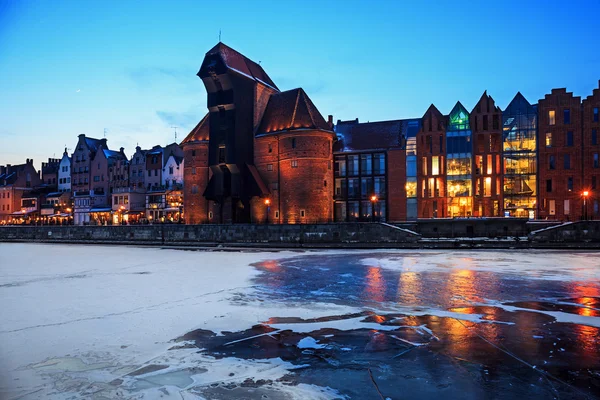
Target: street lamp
<point>585,196</point>
<point>268,204</point>
<point>374,201</point>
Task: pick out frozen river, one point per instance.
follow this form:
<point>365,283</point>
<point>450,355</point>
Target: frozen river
<point>123,322</point>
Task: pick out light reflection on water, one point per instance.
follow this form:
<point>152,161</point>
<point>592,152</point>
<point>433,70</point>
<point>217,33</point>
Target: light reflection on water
<point>457,287</point>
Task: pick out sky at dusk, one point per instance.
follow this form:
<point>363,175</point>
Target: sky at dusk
<point>71,67</point>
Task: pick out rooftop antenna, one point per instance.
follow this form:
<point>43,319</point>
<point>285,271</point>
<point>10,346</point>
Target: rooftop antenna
<point>175,129</point>
<point>105,133</point>
<point>219,35</point>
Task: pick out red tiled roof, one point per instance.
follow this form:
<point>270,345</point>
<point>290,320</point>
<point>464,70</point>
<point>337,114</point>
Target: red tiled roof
<point>240,63</point>
<point>199,133</point>
<point>291,110</point>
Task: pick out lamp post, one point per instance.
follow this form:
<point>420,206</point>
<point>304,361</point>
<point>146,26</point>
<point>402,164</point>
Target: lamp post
<point>374,202</point>
<point>585,196</point>
<point>268,204</point>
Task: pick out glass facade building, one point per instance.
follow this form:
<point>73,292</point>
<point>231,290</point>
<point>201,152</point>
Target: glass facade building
<point>358,177</point>
<point>459,183</point>
<point>519,153</point>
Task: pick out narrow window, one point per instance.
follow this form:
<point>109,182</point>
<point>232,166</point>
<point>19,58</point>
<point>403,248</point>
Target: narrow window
<point>270,148</point>
<point>435,165</point>
<point>551,163</point>
<point>594,136</point>
<point>496,122</point>
<point>424,165</point>
<point>294,163</point>
<point>269,167</point>
<point>193,153</point>
<point>276,214</point>
<point>595,115</point>
<point>594,182</point>
<point>570,184</point>
<point>210,215</point>
<point>549,139</point>
<point>551,117</point>
<point>569,139</point>
<point>567,116</point>
<point>302,213</point>
<point>567,161</point>
<point>324,183</point>
<point>485,123</point>
<point>595,160</point>
<point>221,154</point>
<point>193,170</point>
<point>293,143</point>
<point>549,185</point>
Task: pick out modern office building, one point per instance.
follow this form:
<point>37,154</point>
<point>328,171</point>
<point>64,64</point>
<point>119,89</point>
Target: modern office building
<point>519,154</point>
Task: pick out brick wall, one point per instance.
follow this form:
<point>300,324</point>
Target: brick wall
<point>195,175</point>
<point>567,203</point>
<point>396,185</point>
<point>431,142</point>
<point>308,187</point>
<point>591,174</point>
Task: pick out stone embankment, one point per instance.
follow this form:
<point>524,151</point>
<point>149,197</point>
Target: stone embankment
<point>439,234</point>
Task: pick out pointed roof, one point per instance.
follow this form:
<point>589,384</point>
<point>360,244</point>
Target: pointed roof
<point>289,111</point>
<point>433,109</point>
<point>519,105</point>
<point>238,62</point>
<point>200,133</point>
<point>484,100</point>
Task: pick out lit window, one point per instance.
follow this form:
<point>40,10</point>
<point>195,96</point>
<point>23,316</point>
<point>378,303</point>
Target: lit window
<point>488,187</point>
<point>424,165</point>
<point>435,165</point>
<point>551,117</point>
<point>549,139</point>
<point>294,163</point>
<point>489,165</point>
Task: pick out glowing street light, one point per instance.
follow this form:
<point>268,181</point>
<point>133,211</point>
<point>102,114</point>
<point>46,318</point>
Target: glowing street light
<point>374,201</point>
<point>268,204</point>
<point>585,194</point>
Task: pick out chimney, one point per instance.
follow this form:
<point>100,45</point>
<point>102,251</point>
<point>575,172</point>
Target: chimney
<point>138,148</point>
<point>103,143</point>
<point>330,121</point>
<point>81,135</point>
<point>122,150</point>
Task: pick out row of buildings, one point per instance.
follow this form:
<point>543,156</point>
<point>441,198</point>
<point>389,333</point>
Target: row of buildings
<point>95,185</point>
<point>261,155</point>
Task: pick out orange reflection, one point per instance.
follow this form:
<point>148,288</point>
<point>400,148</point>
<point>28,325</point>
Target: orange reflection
<point>375,285</point>
<point>588,337</point>
<point>584,295</point>
<point>409,288</point>
<point>271,266</point>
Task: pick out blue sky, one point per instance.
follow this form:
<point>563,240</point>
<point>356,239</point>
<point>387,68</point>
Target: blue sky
<point>71,67</point>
